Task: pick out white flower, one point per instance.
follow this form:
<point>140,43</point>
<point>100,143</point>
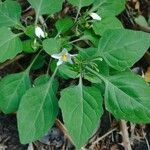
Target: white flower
<point>39,32</point>
<point>95,16</point>
<point>63,57</point>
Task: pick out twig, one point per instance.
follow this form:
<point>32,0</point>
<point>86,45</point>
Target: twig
<point>102,137</point>
<point>63,129</point>
<point>3,65</point>
<point>125,135</point>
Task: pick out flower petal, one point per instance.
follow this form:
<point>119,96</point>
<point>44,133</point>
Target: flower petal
<point>69,59</point>
<point>59,62</point>
<point>64,51</point>
<point>56,56</point>
<point>39,32</point>
<point>95,16</point>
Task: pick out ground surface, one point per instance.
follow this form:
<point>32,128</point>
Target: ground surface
<point>108,135</point>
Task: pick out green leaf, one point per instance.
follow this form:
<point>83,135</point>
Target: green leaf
<point>12,88</point>
<point>41,80</point>
<point>10,13</point>
<point>10,44</point>
<point>68,71</point>
<point>30,31</point>
<point>108,7</point>
<point>52,46</point>
<point>46,7</point>
<point>127,97</point>
<point>122,48</point>
<point>27,46</point>
<point>82,108</point>
<point>90,35</point>
<point>64,24</point>
<point>140,20</point>
<point>81,3</point>
<point>99,66</point>
<point>37,112</point>
<point>87,53</point>
<point>100,27</point>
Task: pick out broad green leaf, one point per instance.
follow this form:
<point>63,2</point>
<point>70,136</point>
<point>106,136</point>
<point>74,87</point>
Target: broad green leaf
<point>46,7</point>
<point>37,112</point>
<point>10,44</point>
<point>100,27</point>
<point>43,79</point>
<point>10,13</point>
<point>12,88</point>
<point>122,48</point>
<point>64,24</point>
<point>51,46</point>
<point>107,8</point>
<point>81,3</point>
<point>128,97</point>
<point>81,108</point>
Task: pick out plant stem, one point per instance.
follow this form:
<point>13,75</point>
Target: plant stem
<point>48,68</point>
<point>125,135</point>
<point>102,137</point>
<point>77,14</point>
<point>35,58</point>
<point>74,41</point>
<point>97,74</point>
<point>54,73</point>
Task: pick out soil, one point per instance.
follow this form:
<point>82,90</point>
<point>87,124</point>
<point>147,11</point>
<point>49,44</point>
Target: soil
<point>108,135</point>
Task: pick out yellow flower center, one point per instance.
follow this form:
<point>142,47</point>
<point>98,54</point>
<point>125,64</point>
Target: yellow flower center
<point>64,57</point>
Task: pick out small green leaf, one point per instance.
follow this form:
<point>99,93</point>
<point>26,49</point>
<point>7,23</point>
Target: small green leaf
<point>127,97</point>
<point>64,24</point>
<point>46,7</point>
<point>10,44</point>
<point>90,35</point>
<point>109,8</point>
<point>27,46</point>
<point>82,108</point>
<point>87,54</point>
<point>41,80</point>
<point>12,88</point>
<point>122,48</point>
<point>100,27</point>
<point>10,13</point>
<point>81,3</point>
<point>140,20</point>
<point>37,112</point>
<point>30,31</point>
<point>68,71</point>
<point>51,46</point>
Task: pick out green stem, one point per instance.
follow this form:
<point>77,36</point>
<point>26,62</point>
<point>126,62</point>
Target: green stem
<point>75,41</point>
<point>57,35</point>
<point>77,14</point>
<point>97,74</point>
<point>52,78</point>
<point>28,69</point>
<point>54,73</point>
<point>47,72</point>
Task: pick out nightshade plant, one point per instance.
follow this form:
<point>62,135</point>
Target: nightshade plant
<point>92,47</point>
